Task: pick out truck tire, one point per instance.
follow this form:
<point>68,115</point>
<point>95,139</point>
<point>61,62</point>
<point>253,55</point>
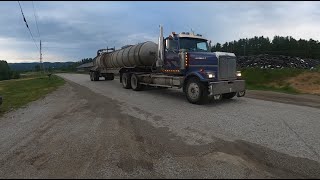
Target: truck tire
<point>126,80</point>
<point>95,76</point>
<point>196,91</point>
<point>91,76</point>
<point>229,95</point>
<point>135,84</point>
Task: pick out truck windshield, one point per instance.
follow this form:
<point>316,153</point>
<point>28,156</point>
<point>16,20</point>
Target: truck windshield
<point>193,44</point>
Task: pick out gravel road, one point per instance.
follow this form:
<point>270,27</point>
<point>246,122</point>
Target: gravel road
<point>100,130</point>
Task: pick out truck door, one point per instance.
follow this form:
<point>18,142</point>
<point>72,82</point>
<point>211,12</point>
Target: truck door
<point>171,54</point>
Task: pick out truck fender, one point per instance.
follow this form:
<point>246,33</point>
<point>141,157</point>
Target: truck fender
<point>192,74</point>
<point>197,74</point>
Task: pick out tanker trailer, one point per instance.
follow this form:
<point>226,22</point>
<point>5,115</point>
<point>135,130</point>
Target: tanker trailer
<point>182,61</point>
<point>107,64</point>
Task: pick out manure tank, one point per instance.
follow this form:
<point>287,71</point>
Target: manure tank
<point>143,54</point>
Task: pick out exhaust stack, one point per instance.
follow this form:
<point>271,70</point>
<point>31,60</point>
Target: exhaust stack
<point>160,53</point>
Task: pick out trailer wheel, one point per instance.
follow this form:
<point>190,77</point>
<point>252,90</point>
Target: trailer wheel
<point>229,95</point>
<point>126,82</point>
<point>136,86</point>
<point>196,92</point>
<point>95,76</point>
<point>91,76</point>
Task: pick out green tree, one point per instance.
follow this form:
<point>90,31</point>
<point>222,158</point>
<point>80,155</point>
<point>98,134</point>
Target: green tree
<point>4,70</point>
<point>15,75</point>
<point>277,46</point>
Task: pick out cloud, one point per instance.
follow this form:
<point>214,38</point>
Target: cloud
<point>71,31</point>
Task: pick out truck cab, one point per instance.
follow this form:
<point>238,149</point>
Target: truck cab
<point>205,73</point>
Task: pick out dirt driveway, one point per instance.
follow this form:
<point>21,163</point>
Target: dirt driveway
<point>76,133</point>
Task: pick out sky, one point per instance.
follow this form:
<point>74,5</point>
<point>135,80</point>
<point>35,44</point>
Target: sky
<point>71,30</point>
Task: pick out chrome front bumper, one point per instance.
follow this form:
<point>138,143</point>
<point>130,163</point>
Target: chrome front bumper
<point>223,87</point>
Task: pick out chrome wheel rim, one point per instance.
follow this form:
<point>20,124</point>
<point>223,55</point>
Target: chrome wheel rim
<point>241,93</point>
<point>217,97</point>
<point>194,91</point>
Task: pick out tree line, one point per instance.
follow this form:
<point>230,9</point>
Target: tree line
<point>6,73</point>
<point>73,66</point>
<point>69,67</point>
<point>277,46</point>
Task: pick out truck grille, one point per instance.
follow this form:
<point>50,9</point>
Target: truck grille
<point>227,68</point>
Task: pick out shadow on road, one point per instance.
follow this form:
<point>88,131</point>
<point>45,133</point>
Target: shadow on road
<point>179,95</point>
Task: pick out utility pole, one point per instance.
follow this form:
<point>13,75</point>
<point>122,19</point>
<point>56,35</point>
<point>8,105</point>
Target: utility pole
<point>41,64</point>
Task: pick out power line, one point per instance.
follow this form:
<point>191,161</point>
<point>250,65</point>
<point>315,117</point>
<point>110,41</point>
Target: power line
<point>27,25</point>
<point>35,18</point>
<point>46,47</point>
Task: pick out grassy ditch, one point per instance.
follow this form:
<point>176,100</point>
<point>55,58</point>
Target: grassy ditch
<point>287,80</point>
<point>17,93</point>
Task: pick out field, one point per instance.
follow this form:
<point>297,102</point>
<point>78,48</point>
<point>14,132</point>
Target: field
<point>17,93</point>
<point>285,80</point>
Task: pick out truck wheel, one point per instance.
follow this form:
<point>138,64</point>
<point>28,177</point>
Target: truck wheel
<point>136,86</point>
<point>126,82</point>
<point>95,76</point>
<point>196,92</point>
<point>91,76</point>
<point>229,95</point>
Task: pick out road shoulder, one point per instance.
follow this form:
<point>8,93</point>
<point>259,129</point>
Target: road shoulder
<point>296,99</point>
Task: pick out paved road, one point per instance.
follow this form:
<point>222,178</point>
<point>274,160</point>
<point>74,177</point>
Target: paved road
<point>100,130</point>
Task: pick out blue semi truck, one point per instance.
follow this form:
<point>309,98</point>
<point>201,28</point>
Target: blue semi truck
<point>180,60</point>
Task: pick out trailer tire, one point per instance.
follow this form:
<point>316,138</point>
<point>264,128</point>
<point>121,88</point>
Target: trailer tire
<point>196,91</point>
<point>135,84</point>
<point>126,80</point>
<point>91,76</point>
<point>95,76</point>
<point>229,95</point>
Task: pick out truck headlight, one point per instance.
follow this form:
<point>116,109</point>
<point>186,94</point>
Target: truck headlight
<point>238,74</point>
<point>211,75</point>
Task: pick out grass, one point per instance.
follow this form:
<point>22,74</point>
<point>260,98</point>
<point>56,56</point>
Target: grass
<point>271,79</point>
<point>285,89</point>
<point>32,74</point>
<point>17,93</point>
